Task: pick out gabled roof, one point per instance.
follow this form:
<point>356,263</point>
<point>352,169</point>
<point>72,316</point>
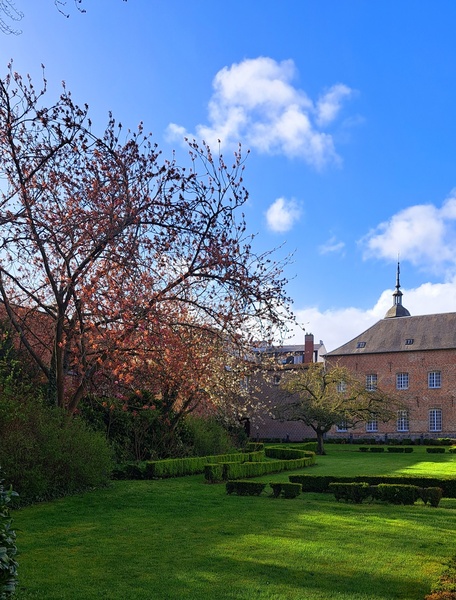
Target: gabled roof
<point>404,334</point>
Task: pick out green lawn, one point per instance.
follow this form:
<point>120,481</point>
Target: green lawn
<point>184,539</point>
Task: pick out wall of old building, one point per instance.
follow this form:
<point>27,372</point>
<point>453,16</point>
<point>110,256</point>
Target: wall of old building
<point>418,398</point>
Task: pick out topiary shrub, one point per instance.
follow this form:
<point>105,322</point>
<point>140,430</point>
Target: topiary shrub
<point>245,488</point>
<point>398,493</point>
<point>350,492</point>
<point>286,490</point>
<point>8,550</point>
<point>431,495</point>
<point>436,450</point>
<point>377,449</point>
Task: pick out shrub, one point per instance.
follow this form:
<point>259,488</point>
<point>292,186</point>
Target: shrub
<point>431,495</point>
<point>47,454</point>
<point>245,488</point>
<point>398,493</point>
<point>287,453</point>
<point>8,550</point>
<point>435,450</point>
<point>254,446</point>
<point>213,473</point>
<point>445,589</point>
<point>350,492</point>
<point>287,490</point>
<point>377,449</point>
<point>206,436</point>
<point>363,449</point>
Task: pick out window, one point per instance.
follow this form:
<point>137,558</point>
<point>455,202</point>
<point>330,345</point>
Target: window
<point>435,419</point>
<point>276,379</point>
<point>372,425</point>
<point>371,382</point>
<point>402,420</point>
<point>402,381</point>
<point>409,341</point>
<point>361,345</point>
<point>341,387</point>
<point>342,426</point>
<point>434,379</point>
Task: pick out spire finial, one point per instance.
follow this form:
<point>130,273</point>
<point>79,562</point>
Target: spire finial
<point>397,310</point>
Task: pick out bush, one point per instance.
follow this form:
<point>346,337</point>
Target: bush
<point>445,589</point>
<point>431,495</point>
<point>206,436</point>
<point>363,449</point>
<point>350,492</point>
<point>46,454</point>
<point>254,446</point>
<point>398,493</point>
<point>287,490</point>
<point>245,488</point>
<point>287,453</point>
<point>377,449</point>
<point>8,550</point>
<point>435,450</point>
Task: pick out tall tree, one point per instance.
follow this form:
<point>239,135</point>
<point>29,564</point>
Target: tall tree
<point>100,236</point>
<point>323,397</point>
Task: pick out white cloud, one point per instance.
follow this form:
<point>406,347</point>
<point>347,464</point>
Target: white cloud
<point>254,102</point>
<point>330,104</point>
<point>331,246</point>
<point>423,234</point>
<point>336,327</point>
<point>282,215</point>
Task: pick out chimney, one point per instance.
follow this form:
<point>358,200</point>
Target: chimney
<point>309,348</point>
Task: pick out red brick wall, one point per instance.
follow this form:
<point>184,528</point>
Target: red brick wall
<point>418,397</point>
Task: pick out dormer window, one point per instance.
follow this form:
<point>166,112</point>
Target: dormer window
<point>361,345</point>
<point>409,341</point>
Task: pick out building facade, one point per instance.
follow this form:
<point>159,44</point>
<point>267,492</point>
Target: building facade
<point>414,360</point>
<point>272,363</point>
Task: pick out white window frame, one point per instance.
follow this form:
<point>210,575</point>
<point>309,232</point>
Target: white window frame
<point>402,381</point>
<point>371,382</point>
<point>342,427</point>
<point>372,426</point>
<point>435,420</point>
<point>403,420</point>
<point>435,380</point>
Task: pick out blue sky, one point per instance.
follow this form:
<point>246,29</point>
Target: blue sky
<point>348,108</point>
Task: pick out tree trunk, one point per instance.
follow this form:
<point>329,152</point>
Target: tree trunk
<point>320,445</point>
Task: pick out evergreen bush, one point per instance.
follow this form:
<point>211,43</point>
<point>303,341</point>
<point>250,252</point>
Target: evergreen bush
<point>8,550</point>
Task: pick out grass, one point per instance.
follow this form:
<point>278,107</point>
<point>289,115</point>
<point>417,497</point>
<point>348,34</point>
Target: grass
<point>183,539</point>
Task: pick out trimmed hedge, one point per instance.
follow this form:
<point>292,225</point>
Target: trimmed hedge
<point>435,450</point>
<point>286,490</point>
<point>245,488</point>
<point>287,453</point>
<point>178,467</point>
<point>351,492</point>
<point>256,469</point>
<point>320,483</point>
<point>406,449</point>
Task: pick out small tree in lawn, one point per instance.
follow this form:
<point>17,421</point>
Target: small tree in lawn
<point>323,397</point>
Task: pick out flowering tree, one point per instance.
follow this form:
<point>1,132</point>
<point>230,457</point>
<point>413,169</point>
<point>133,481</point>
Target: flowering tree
<point>104,243</point>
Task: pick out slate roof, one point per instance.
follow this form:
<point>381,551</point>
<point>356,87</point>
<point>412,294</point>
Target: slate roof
<point>403,334</point>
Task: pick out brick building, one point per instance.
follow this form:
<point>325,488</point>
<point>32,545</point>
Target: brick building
<point>414,359</point>
<point>273,362</point>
